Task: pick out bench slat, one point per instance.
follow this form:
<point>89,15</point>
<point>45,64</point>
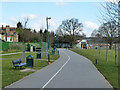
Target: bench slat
<point>17,63</point>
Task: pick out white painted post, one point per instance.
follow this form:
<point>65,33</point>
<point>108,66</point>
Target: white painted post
<point>31,48</point>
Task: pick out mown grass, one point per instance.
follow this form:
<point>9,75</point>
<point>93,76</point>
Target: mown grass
<point>108,69</point>
<point>10,75</point>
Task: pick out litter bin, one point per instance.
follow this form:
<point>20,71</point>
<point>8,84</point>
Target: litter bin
<point>29,61</point>
<point>39,55</point>
<point>53,52</point>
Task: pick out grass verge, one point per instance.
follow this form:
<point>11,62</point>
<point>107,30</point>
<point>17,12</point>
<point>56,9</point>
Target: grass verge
<point>10,75</point>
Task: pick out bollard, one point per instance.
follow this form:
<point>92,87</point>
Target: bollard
<point>48,58</point>
<point>96,61</point>
<point>58,52</point>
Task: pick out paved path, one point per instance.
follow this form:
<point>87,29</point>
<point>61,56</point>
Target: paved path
<point>69,71</point>
<point>10,53</point>
<point>16,53</point>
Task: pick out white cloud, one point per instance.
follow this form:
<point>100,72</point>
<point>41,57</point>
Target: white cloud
<point>91,25</point>
<point>4,25</point>
<point>30,16</point>
<point>60,3</point>
<point>53,25</point>
<point>13,20</point>
<point>40,23</point>
<point>112,1</point>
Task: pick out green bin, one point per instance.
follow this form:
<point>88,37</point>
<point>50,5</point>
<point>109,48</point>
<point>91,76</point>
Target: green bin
<point>53,52</point>
<point>39,55</point>
<point>29,61</point>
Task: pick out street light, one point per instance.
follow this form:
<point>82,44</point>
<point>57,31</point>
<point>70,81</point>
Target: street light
<point>47,18</point>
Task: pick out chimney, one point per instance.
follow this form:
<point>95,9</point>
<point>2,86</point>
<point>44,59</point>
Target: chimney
<point>7,25</point>
<point>2,27</point>
<point>7,28</point>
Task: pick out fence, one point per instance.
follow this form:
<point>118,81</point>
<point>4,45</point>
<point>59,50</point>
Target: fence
<point>19,46</point>
<point>103,51</point>
<point>4,46</point>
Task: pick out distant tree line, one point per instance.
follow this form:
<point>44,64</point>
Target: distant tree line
<point>68,32</point>
<point>29,35</point>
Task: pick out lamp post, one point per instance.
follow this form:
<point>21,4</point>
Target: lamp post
<point>47,18</point>
<point>119,43</point>
<point>57,42</point>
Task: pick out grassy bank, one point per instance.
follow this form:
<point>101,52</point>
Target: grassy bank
<point>10,75</point>
<point>108,69</point>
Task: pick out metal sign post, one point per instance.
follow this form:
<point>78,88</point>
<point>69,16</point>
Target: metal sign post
<point>23,54</point>
<point>48,39</point>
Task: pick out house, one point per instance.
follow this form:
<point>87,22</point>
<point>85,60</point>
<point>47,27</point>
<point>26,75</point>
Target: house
<point>82,44</point>
<point>8,34</point>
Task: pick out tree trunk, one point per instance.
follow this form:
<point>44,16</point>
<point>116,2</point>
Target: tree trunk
<point>110,47</point>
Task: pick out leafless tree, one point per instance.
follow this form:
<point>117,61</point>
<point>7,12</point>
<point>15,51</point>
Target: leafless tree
<point>71,27</point>
<point>108,30</point>
<point>59,32</point>
<point>26,22</point>
<point>109,12</point>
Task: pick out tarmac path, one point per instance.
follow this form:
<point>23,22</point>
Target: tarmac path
<point>69,71</point>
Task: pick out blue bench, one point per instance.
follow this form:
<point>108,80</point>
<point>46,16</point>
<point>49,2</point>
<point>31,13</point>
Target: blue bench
<point>17,63</point>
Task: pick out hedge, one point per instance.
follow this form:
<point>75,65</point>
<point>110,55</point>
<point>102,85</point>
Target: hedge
<point>5,46</point>
<point>19,45</point>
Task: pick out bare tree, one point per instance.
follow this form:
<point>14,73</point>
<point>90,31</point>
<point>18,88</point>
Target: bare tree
<point>71,27</point>
<point>108,30</point>
<point>26,22</point>
<point>59,32</point>
<point>109,12</point>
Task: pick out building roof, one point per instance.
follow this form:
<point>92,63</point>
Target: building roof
<point>11,28</point>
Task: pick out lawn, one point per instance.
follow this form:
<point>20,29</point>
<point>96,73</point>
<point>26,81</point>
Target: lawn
<point>108,69</point>
<point>10,75</point>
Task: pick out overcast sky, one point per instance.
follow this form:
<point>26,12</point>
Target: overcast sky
<point>86,12</point>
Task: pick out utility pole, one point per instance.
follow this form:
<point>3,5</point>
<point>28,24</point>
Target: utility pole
<point>118,44</point>
<point>47,18</point>
<point>41,35</point>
